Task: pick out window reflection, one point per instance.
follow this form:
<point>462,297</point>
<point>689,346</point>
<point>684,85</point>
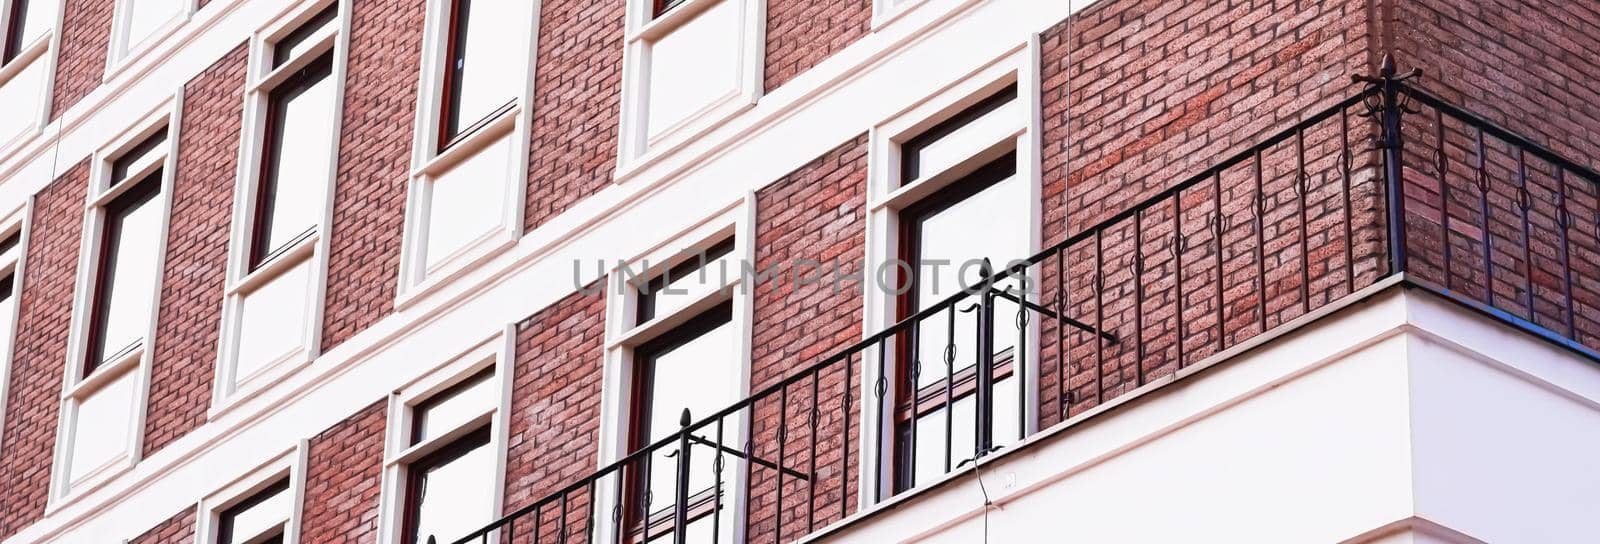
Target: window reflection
<point>260,519</point>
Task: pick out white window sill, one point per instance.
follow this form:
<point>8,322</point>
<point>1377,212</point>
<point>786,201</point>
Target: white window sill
<point>288,258</point>
<point>501,124</point>
<point>106,372</point>
<point>89,483</point>
<point>458,263</point>
<point>883,16</point>
<point>690,129</point>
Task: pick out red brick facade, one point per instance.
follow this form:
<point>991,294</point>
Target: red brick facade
<point>1137,95</point>
<point>33,396</point>
<point>577,96</point>
<point>555,404</point>
<point>187,327</point>
<point>369,201</point>
<point>801,33</point>
<point>178,529</point>
<point>344,474</point>
<point>817,212</point>
<point>81,62</point>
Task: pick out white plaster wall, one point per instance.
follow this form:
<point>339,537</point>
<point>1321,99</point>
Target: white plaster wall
<point>1403,419</point>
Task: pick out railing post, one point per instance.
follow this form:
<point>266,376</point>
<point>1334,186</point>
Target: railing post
<point>984,437</point>
<point>680,508</point>
<point>1389,110</point>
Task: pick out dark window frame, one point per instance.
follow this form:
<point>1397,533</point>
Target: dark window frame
<point>414,435</point>
<point>280,48</point>
<point>646,303</point>
<point>144,191</point>
<point>317,71</point>
<point>451,131</point>
<point>416,476</point>
<point>226,518</point>
<point>641,526</point>
<point>912,403</point>
<point>910,150</point>
<point>14,26</point>
<point>661,7</point>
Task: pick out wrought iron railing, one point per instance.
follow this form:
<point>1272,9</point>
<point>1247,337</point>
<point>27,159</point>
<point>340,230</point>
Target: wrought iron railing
<point>1300,220</point>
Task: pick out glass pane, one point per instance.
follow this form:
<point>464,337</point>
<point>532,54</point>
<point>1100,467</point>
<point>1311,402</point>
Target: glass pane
<point>138,156</point>
<point>133,230</point>
<point>930,446</point>
<point>688,281</point>
<point>147,16</point>
<point>265,513</point>
<point>300,159</point>
<point>273,321</point>
<point>468,201</point>
<point>967,140</point>
<point>702,375</point>
<point>951,245</point>
<point>298,42</point>
<point>455,497</point>
<point>487,69</point>
<point>101,433</point>
<point>454,407</point>
<point>34,20</point>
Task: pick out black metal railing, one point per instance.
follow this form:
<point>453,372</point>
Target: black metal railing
<point>1392,181</point>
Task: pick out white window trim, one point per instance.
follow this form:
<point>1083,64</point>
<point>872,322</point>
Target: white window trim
<point>40,50</point>
<point>885,198</point>
<point>887,11</point>
<point>497,353</point>
<point>16,221</point>
<point>428,163</point>
<point>228,391</point>
<point>120,54</point>
<point>636,150</point>
<point>621,289</point>
<point>289,464</point>
<point>75,386</point>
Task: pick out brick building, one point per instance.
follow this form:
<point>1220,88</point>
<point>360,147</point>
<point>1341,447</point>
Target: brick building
<point>375,271</point>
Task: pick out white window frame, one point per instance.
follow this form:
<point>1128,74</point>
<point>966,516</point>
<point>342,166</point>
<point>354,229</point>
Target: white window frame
<point>229,390</point>
<point>40,50</point>
<point>17,221</point>
<point>429,163</point>
<point>495,352</point>
<point>885,198</point>
<point>290,464</point>
<point>636,149</point>
<point>120,54</point>
<point>624,334</point>
<point>75,387</point>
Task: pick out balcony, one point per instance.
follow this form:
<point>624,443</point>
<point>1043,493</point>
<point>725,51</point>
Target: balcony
<point>1391,188</point>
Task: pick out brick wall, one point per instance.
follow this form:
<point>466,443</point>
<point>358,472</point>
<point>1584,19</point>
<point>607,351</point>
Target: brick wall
<point>1138,95</point>
<point>577,96</point>
<point>178,529</point>
<point>344,474</point>
<point>817,212</point>
<point>197,254</point>
<point>41,349</point>
<point>555,407</point>
<point>369,199</point>
<point>801,33</point>
<point>81,61</point>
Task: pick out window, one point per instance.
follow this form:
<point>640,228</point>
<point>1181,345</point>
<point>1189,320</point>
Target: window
<point>10,275</point>
<point>955,193</point>
<point>141,20</point>
<point>450,491</point>
<point>481,79</point>
<point>27,22</point>
<point>261,507</point>
<point>260,519</point>
<point>130,247</point>
<point>120,274</point>
<point>465,196</point>
<point>297,157</point>
<point>271,314</point>
<point>687,65</point>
